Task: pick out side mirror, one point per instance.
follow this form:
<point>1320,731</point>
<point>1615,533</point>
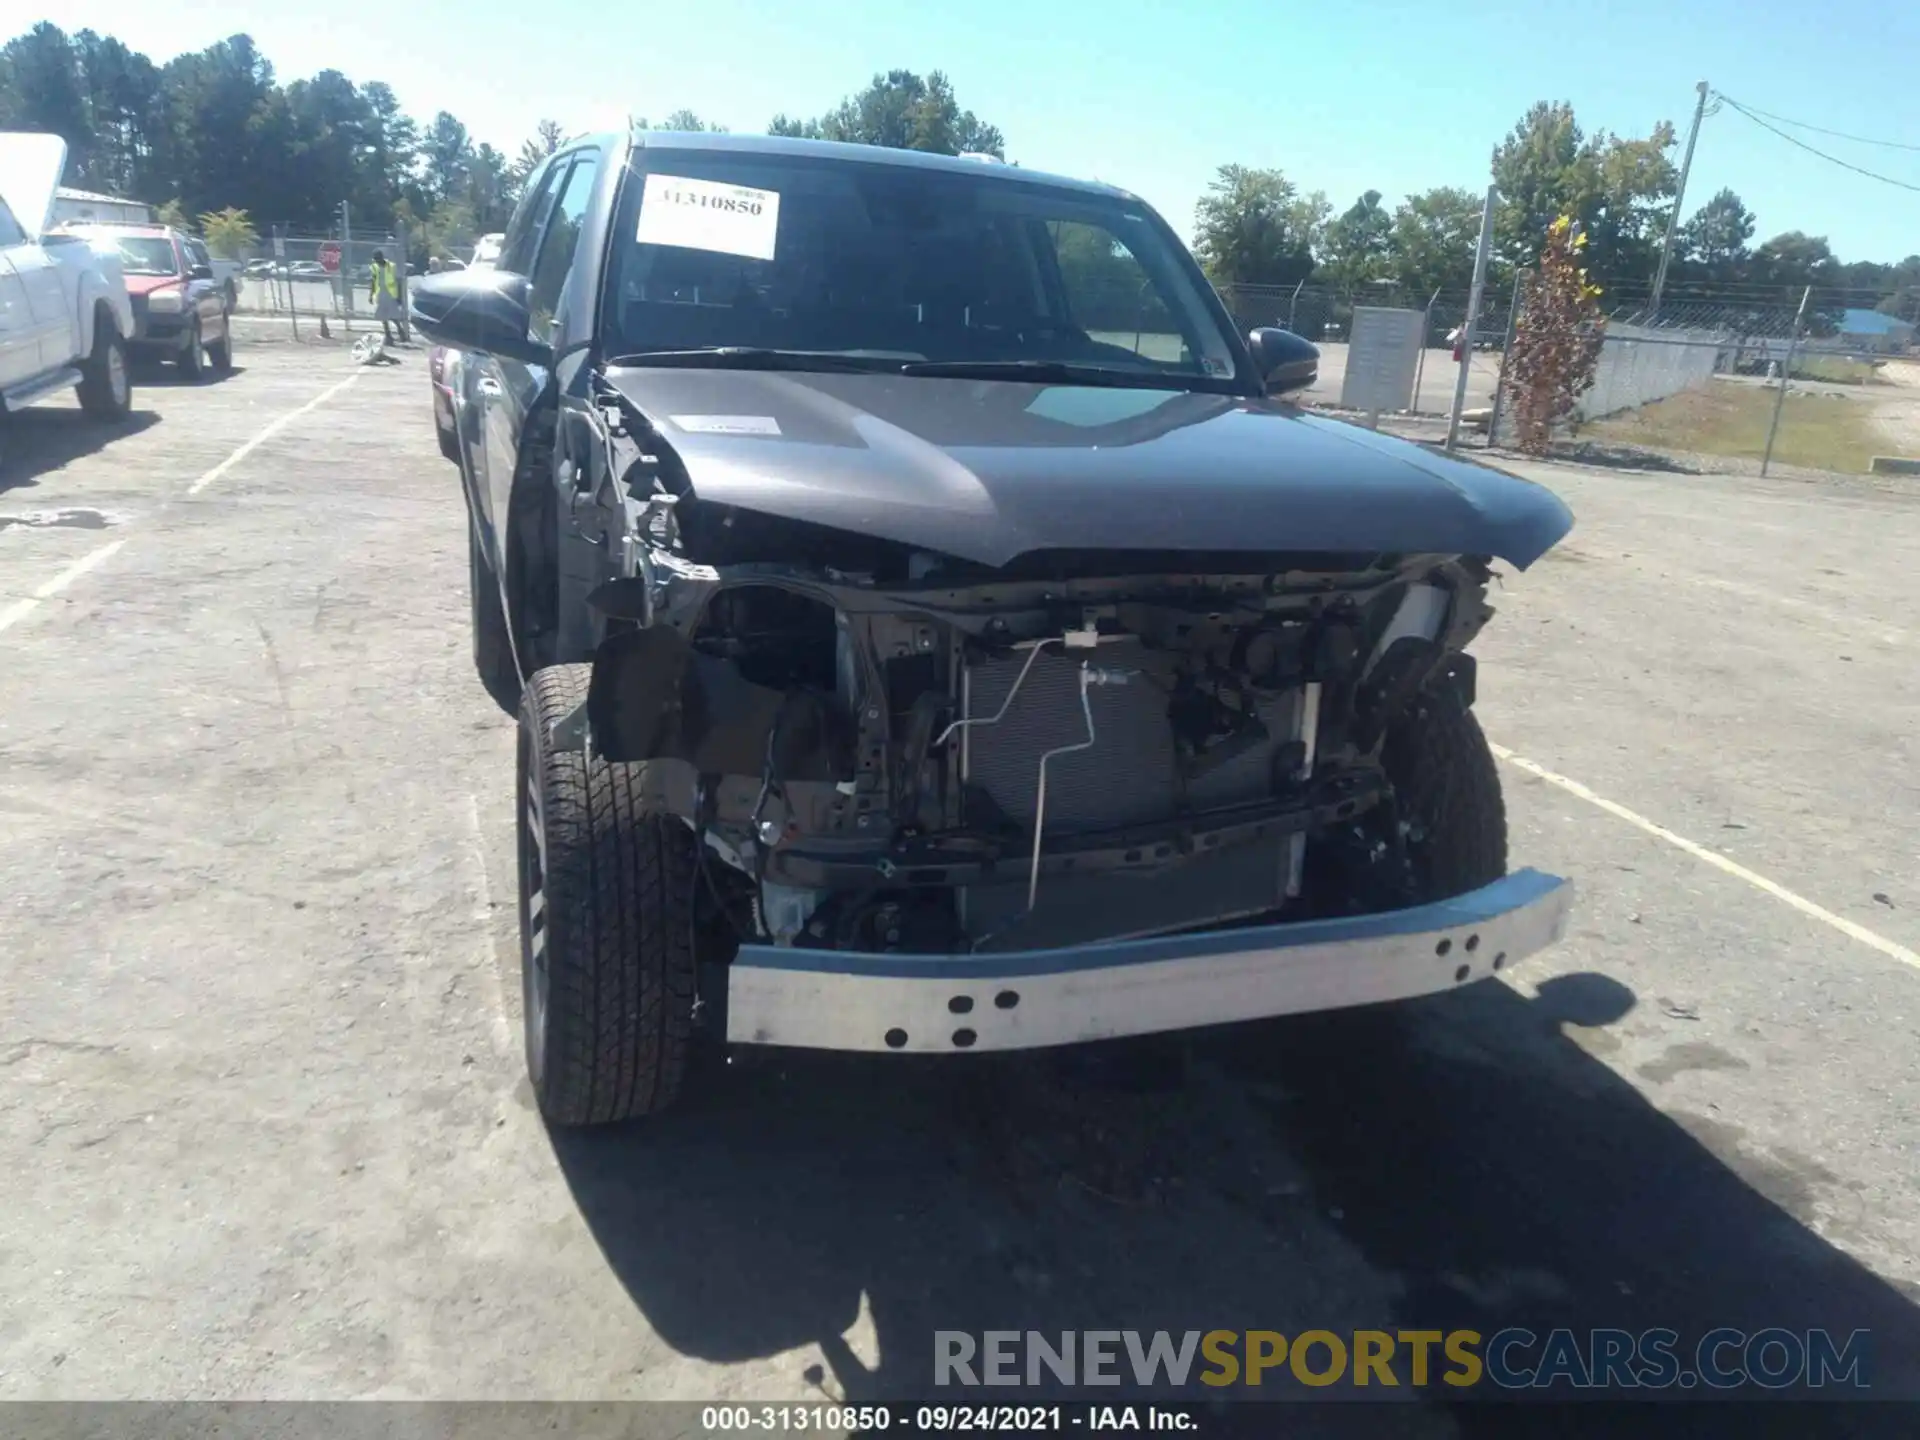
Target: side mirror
<point>1286,361</point>
<point>480,310</point>
<point>201,272</point>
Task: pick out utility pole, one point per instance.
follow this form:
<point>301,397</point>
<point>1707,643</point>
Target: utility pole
<point>1473,316</point>
<point>1786,378</point>
<point>346,265</point>
<point>1679,196</point>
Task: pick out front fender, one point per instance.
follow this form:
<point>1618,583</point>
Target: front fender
<point>101,283</point>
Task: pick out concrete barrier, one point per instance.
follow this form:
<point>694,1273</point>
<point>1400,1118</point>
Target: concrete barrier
<point>1893,465</point>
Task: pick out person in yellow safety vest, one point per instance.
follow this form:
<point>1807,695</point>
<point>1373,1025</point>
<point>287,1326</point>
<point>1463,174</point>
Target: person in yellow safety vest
<point>384,293</point>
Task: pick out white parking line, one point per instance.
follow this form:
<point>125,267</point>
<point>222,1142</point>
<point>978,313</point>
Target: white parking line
<point>268,433</point>
<point>20,609</point>
<point>1893,950</point>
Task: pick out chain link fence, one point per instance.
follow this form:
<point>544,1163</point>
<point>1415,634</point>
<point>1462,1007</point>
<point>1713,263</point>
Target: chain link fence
<point>1736,384</point>
<point>315,277</point>
<point>1324,315</point>
<point>1749,378</point>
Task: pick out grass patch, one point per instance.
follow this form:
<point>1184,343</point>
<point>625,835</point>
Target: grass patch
<point>1835,370</point>
<point>1820,432</point>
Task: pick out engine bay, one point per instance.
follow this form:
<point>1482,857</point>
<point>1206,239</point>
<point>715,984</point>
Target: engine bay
<point>885,749</point>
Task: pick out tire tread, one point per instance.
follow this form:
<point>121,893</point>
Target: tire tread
<point>619,887</point>
<point>1447,785</point>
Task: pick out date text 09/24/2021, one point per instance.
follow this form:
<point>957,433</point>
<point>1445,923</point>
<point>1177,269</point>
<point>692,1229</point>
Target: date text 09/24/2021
<point>943,1419</point>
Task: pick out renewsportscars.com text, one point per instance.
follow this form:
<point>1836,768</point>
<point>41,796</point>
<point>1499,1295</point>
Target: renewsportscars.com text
<point>1510,1359</point>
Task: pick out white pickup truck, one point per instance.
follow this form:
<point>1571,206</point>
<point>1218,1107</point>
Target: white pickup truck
<point>64,311</point>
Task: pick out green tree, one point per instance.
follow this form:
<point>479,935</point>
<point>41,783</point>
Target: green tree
<point>1357,246</point>
<point>686,120</point>
<point>489,189</point>
<point>1433,239</point>
<point>1713,243</point>
<point>172,213</point>
<point>1253,227</point>
<point>1614,189</point>
<point>1792,261</point>
<point>227,139</point>
<point>902,110</point>
<point>41,88</point>
<point>396,141</point>
<point>547,137</point>
<point>229,233</point>
<point>446,154</point>
<point>123,112</point>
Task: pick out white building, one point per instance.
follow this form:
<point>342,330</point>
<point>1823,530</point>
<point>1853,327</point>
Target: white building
<point>85,205</point>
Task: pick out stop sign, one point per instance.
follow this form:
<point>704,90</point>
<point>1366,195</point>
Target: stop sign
<point>330,256</point>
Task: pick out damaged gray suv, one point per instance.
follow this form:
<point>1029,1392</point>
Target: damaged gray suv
<point>932,629</point>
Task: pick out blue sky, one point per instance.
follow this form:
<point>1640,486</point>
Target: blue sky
<point>1342,96</point>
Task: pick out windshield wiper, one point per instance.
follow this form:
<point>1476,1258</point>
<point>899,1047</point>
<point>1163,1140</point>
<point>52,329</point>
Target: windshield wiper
<point>1056,372</point>
<point>748,357</point>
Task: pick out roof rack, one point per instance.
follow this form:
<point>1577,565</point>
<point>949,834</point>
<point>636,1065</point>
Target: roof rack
<point>981,155</point>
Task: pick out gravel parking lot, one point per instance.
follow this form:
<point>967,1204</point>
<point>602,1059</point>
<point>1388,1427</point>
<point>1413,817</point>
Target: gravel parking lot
<point>262,1111</point>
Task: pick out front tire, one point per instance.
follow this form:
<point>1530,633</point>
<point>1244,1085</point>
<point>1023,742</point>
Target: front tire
<point>221,351</point>
<point>193,359</point>
<point>606,925</point>
<point>106,388</point>
<point>1447,795</point>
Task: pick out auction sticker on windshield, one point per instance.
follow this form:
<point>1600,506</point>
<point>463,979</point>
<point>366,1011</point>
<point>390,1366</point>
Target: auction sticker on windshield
<point>706,215</point>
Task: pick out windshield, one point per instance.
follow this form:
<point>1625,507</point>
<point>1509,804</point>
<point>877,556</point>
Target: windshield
<point>892,265</point>
<point>145,254</point>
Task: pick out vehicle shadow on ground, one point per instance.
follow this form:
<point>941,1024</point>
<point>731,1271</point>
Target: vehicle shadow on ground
<point>165,375</point>
<point>43,438</point>
<point>1453,1163</point>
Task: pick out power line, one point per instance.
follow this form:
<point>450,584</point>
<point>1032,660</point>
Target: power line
<point>1832,159</point>
<point>1754,110</point>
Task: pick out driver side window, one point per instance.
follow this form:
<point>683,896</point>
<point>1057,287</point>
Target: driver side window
<point>555,260</point>
<point>523,230</point>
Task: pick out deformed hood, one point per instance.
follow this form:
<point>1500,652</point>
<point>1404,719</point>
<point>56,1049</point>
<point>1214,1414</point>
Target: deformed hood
<point>989,470</point>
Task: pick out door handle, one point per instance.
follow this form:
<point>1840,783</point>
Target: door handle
<point>488,386</point>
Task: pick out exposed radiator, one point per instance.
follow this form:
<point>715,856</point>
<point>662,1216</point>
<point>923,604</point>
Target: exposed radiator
<point>1130,775</point>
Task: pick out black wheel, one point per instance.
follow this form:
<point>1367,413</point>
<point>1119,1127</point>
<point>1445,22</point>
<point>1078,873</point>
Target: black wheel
<point>1447,793</point>
<point>106,390</point>
<point>221,351</point>
<point>193,360</point>
<point>493,657</point>
<point>606,911</point>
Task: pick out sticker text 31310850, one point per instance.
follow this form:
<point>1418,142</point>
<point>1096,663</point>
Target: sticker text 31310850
<point>707,215</point>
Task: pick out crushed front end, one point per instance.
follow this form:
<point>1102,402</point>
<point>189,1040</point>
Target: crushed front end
<point>944,805</point>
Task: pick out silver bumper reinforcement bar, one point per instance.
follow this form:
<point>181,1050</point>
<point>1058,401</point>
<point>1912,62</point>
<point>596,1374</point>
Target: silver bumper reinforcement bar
<point>844,1000</point>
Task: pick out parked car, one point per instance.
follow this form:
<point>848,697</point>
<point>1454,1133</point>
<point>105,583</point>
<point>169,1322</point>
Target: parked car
<point>443,375</point>
<point>307,270</point>
<point>486,250</point>
<point>906,662</point>
<point>180,310</point>
<point>64,311</point>
<point>443,369</point>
